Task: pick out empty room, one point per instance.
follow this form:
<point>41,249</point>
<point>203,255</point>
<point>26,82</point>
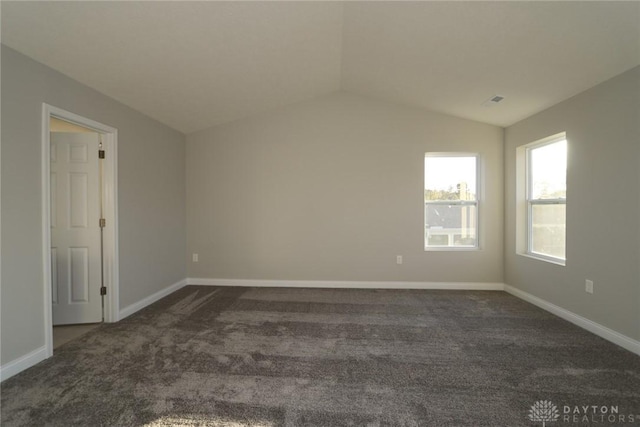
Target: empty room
<point>307,213</point>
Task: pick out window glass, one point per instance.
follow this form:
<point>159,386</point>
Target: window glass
<point>548,230</point>
<point>547,198</point>
<point>549,171</point>
<point>450,178</point>
<point>451,201</point>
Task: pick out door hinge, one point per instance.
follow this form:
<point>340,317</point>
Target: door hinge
<point>103,290</point>
<point>101,154</point>
<point>103,223</point>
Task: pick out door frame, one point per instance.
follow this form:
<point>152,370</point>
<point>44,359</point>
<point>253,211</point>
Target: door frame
<point>110,205</point>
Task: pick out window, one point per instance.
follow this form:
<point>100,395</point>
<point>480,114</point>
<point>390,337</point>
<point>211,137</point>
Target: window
<point>451,201</point>
<point>546,196</point>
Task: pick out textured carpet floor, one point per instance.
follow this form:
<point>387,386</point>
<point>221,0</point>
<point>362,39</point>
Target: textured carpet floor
<point>295,357</point>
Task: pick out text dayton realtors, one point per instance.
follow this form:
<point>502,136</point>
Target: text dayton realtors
<point>596,414</point>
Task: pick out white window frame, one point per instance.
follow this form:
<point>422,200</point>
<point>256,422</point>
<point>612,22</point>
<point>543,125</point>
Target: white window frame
<point>475,203</point>
<point>531,202</point>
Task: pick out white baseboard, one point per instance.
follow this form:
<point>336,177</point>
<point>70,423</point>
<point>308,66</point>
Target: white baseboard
<point>591,326</point>
<point>36,356</point>
<point>130,309</point>
<point>469,286</point>
<point>20,364</point>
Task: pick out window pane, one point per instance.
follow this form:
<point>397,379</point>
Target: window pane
<point>548,230</point>
<point>549,171</point>
<point>449,178</point>
<point>451,225</point>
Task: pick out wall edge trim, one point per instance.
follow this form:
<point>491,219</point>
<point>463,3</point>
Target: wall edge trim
<point>23,362</point>
<point>602,331</point>
<point>469,286</point>
<point>137,306</point>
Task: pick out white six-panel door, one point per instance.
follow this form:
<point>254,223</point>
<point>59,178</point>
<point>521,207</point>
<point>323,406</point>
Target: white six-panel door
<point>75,229</point>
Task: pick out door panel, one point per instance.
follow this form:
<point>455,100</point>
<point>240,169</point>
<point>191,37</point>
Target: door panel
<point>78,200</point>
<point>79,274</point>
<point>75,231</point>
<point>54,275</point>
<point>78,153</point>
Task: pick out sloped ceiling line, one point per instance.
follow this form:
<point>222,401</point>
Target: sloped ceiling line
<point>193,65</point>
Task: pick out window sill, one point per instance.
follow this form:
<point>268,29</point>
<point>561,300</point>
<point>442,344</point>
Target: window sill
<point>550,260</point>
<point>450,249</point>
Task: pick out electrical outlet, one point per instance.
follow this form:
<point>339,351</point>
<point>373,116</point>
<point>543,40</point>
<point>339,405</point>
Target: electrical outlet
<point>588,286</point>
<point>194,257</point>
<point>399,259</point>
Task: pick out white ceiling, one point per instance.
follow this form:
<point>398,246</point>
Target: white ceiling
<point>193,65</point>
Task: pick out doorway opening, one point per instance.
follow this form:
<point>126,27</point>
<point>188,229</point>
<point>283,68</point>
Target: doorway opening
<point>79,167</point>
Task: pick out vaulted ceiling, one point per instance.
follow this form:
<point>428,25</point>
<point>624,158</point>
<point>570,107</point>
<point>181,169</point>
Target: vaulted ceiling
<point>192,65</point>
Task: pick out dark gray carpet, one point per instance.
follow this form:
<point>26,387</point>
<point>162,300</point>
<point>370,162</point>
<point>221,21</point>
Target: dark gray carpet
<point>324,357</point>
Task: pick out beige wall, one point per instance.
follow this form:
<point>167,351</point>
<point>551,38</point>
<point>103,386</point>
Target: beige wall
<point>332,189</point>
<point>329,189</point>
<point>603,205</point>
<point>151,196</point>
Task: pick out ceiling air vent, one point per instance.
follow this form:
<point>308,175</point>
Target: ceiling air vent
<point>494,100</point>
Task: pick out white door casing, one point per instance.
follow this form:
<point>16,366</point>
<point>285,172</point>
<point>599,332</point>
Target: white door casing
<point>110,209</point>
<point>75,231</point>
